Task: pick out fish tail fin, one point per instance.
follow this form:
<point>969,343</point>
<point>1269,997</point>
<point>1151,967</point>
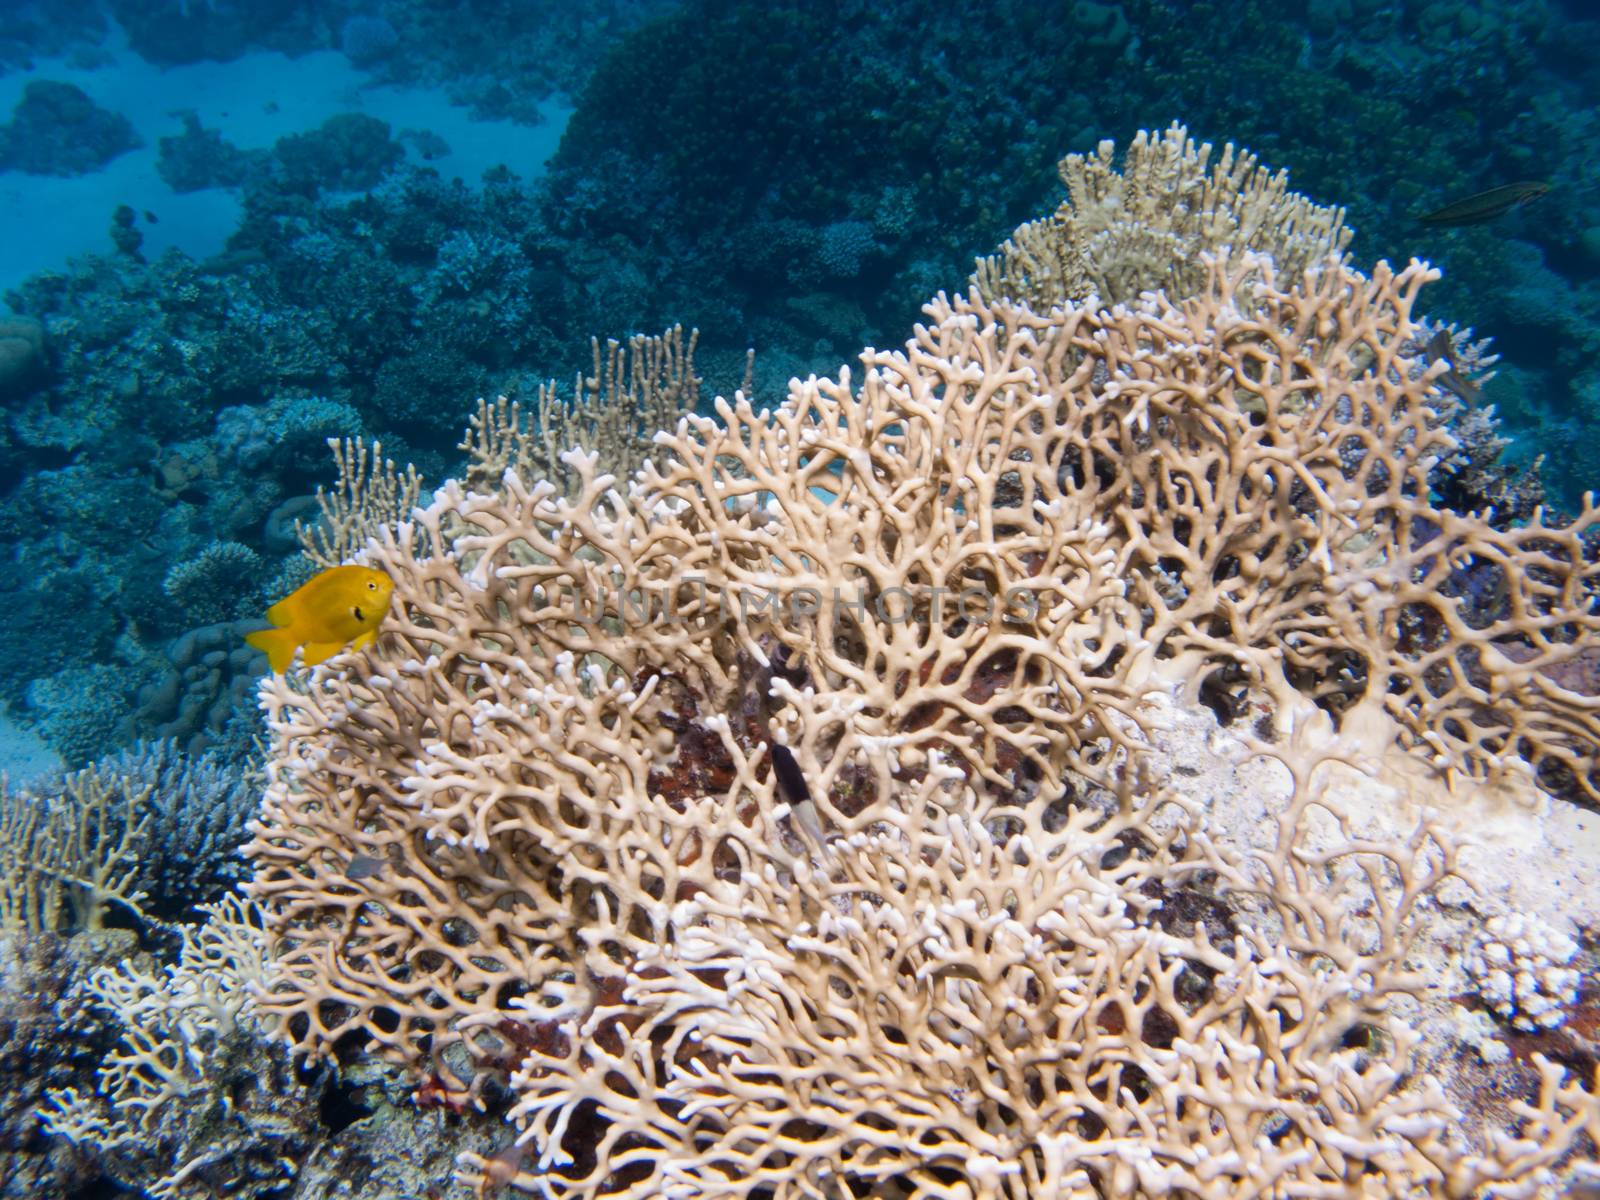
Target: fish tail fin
<point>279,645</point>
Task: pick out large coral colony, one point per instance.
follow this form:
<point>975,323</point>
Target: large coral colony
<point>684,817</point>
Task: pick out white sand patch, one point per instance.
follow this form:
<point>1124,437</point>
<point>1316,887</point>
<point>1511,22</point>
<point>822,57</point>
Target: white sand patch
<point>23,757</point>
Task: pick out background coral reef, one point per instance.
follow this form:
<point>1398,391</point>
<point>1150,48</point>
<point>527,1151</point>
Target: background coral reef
<point>797,179</point>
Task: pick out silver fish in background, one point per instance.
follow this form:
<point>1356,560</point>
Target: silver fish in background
<point>1486,206</point>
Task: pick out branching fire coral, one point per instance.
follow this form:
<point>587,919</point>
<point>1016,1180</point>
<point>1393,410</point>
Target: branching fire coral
<point>939,1011</point>
<point>981,949</point>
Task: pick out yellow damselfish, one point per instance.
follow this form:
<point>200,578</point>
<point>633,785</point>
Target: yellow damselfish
<point>334,607</point>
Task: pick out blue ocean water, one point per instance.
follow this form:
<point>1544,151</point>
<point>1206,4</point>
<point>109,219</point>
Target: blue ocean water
<point>237,229</point>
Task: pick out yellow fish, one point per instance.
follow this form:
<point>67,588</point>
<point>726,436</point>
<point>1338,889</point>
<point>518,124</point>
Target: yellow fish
<point>334,607</point>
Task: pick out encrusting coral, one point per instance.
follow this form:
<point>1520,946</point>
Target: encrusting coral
<point>1521,970</point>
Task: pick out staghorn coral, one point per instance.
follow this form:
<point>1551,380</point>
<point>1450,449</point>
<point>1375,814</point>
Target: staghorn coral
<point>219,584</point>
<point>369,495</point>
<point>538,836</point>
<point>150,830</point>
<point>198,810</point>
<point>1150,225</point>
<point>613,412</point>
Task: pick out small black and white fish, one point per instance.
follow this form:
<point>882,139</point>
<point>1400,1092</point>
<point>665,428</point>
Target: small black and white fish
<point>795,791</point>
<point>791,779</point>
